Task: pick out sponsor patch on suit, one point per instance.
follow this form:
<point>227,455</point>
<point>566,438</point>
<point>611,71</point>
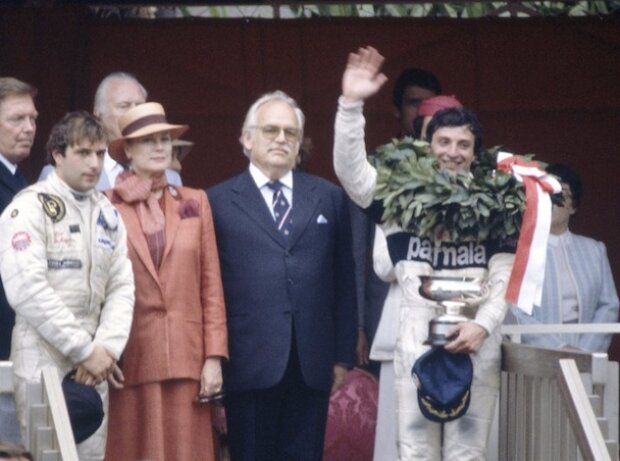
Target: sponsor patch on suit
<point>105,243</point>
<point>64,264</point>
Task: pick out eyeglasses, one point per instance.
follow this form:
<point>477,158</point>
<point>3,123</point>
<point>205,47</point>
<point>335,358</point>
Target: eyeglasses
<point>271,132</point>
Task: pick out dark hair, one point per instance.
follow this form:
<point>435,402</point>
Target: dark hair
<point>72,128</point>
<point>454,117</point>
<point>414,77</point>
<point>568,176</point>
<point>10,86</point>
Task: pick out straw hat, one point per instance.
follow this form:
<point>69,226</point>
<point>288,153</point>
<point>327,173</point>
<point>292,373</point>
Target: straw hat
<point>142,120</point>
<point>184,147</point>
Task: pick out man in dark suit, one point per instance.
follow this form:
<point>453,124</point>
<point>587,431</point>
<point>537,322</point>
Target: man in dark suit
<point>17,129</point>
<point>284,242</point>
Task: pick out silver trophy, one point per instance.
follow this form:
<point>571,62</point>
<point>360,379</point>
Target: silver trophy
<point>457,301</point>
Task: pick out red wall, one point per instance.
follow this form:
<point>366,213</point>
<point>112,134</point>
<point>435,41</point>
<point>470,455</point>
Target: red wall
<point>548,86</point>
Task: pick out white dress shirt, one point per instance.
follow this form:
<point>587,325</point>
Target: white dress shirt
<point>261,182</point>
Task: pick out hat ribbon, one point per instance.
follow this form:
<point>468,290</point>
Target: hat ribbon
<point>142,122</point>
<point>526,279</point>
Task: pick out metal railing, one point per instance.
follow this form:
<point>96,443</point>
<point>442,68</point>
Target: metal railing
<point>515,331</point>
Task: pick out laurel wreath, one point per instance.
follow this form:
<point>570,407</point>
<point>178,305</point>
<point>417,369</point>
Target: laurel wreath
<point>422,198</point>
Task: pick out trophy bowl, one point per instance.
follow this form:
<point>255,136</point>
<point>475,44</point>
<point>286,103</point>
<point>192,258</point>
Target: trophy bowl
<point>457,301</point>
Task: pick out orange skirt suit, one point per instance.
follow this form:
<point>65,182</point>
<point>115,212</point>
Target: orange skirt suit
<point>179,321</point>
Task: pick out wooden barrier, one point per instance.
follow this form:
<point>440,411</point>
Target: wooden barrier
<point>557,405</point>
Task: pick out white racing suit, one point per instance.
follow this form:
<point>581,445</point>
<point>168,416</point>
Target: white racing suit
<point>66,274</point>
<point>418,438</point>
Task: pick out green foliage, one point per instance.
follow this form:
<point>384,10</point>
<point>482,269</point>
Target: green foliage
<point>428,201</point>
<point>457,9</point>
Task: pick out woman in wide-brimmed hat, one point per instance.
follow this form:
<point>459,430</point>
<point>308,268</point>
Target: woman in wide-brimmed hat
<point>171,365</point>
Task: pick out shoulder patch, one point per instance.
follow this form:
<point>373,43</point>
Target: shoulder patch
<point>21,240</point>
<point>53,206</point>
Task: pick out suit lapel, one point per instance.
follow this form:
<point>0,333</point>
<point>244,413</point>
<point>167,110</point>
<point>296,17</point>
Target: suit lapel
<point>250,200</point>
<point>173,218</point>
<point>14,182</point>
<point>305,202</point>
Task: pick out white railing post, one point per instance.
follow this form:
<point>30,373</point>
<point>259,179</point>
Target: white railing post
<point>581,415</point>
<point>59,416</point>
<point>6,377</point>
<point>49,436</point>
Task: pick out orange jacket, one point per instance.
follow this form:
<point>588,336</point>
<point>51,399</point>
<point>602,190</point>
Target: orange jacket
<point>179,316</point>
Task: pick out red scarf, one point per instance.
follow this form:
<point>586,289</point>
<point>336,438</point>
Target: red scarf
<point>141,192</point>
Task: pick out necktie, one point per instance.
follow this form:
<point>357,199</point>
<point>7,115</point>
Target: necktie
<point>281,209</point>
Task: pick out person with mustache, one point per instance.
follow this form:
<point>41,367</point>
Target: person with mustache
<point>18,125</point>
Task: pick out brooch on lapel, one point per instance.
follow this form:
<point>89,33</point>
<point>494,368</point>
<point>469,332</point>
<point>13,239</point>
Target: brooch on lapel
<point>174,192</point>
<point>189,209</point>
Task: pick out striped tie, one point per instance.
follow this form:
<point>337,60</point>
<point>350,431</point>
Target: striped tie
<point>281,209</point>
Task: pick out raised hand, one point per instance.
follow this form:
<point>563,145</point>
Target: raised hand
<point>362,77</point>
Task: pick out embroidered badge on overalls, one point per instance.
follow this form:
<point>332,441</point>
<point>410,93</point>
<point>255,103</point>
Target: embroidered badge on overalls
<point>53,206</point>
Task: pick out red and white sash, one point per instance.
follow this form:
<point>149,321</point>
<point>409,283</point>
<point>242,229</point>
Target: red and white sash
<point>526,280</point>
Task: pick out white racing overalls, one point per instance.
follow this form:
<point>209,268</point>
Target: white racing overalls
<point>66,273</point>
<point>419,438</point>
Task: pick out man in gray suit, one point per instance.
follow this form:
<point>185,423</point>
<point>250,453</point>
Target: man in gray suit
<point>116,94</point>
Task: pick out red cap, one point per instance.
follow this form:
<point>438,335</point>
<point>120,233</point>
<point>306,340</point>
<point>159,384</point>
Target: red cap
<point>436,103</point>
